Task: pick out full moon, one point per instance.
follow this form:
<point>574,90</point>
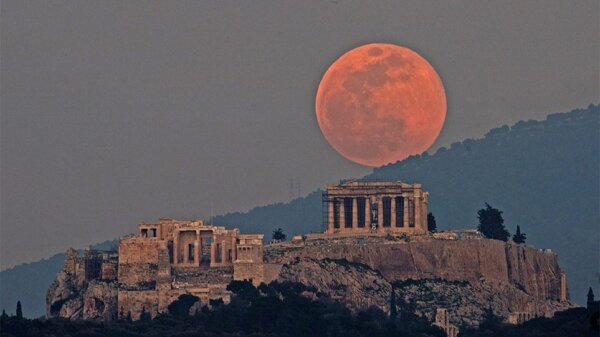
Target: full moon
<point>380,103</point>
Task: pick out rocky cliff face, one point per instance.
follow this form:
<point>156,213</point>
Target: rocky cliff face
<point>64,298</point>
<point>69,298</point>
<point>467,277</point>
<point>535,272</point>
<point>360,287</point>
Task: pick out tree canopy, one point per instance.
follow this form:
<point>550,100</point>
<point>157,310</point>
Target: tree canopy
<point>491,223</point>
<point>181,306</point>
<point>279,235</point>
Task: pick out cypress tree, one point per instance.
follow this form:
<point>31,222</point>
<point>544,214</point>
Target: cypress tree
<point>431,224</point>
<point>19,310</point>
<point>4,317</point>
<point>519,237</point>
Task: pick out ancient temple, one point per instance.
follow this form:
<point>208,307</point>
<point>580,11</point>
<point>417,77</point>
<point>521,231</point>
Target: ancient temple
<point>175,257</point>
<point>355,206</point>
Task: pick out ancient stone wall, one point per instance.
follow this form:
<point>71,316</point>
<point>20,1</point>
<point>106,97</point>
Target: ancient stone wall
<point>185,276</point>
<point>109,271</point>
<point>138,261</point>
<point>249,271</point>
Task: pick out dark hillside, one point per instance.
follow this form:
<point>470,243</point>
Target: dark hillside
<point>544,175</point>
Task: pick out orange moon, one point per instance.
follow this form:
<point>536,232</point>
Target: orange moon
<point>380,103</point>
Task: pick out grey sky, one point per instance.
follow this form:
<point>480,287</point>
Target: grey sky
<point>119,112</point>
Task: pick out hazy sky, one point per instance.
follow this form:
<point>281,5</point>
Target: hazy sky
<point>116,112</point>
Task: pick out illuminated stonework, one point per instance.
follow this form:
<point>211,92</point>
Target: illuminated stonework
<point>376,207</point>
<point>174,257</point>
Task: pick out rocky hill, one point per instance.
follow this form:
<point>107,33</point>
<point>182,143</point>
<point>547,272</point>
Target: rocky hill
<point>467,276</point>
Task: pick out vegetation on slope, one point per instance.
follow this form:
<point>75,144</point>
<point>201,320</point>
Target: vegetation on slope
<point>283,309</point>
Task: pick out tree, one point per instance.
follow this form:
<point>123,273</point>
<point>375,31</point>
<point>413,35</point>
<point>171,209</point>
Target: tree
<point>279,235</point>
<point>4,317</point>
<point>491,223</point>
<point>244,290</point>
<point>182,305</point>
<point>431,224</point>
<point>519,237</point>
<point>19,310</point>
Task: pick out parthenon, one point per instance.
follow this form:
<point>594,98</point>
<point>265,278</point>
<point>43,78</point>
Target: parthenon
<point>376,207</point>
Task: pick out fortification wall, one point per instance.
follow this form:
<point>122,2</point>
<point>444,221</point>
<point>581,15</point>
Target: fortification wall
<point>138,261</point>
<point>250,271</point>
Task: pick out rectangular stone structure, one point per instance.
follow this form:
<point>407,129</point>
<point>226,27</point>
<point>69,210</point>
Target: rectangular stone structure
<point>381,207</point>
<point>175,257</point>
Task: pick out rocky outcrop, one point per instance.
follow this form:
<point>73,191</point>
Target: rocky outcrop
<point>536,272</point>
<point>468,277</point>
<point>100,301</point>
<point>355,284</point>
<point>360,287</point>
<point>70,299</point>
<point>64,298</point>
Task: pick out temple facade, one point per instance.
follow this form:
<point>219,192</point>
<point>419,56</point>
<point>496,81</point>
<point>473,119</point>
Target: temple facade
<point>197,244</point>
<point>174,257</point>
<point>375,207</point>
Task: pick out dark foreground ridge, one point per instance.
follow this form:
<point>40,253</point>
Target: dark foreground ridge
<point>289,309</point>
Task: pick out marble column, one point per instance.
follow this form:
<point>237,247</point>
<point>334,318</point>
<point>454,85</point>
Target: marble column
<point>330,216</point>
<point>418,223</point>
<point>424,210</point>
<point>354,213</point>
<point>223,252</point>
<point>342,214</point>
<point>175,247</point>
<point>405,215</point>
<point>186,254</point>
<point>380,213</point>
<point>234,248</point>
<point>368,212</point>
<point>393,212</point>
<point>213,250</point>
<point>197,249</point>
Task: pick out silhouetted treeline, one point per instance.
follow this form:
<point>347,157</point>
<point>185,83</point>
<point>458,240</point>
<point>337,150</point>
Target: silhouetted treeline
<point>284,309</point>
<point>278,309</point>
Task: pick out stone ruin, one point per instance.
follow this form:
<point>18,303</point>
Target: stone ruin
<point>355,206</point>
<point>162,262</point>
<point>375,235</point>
